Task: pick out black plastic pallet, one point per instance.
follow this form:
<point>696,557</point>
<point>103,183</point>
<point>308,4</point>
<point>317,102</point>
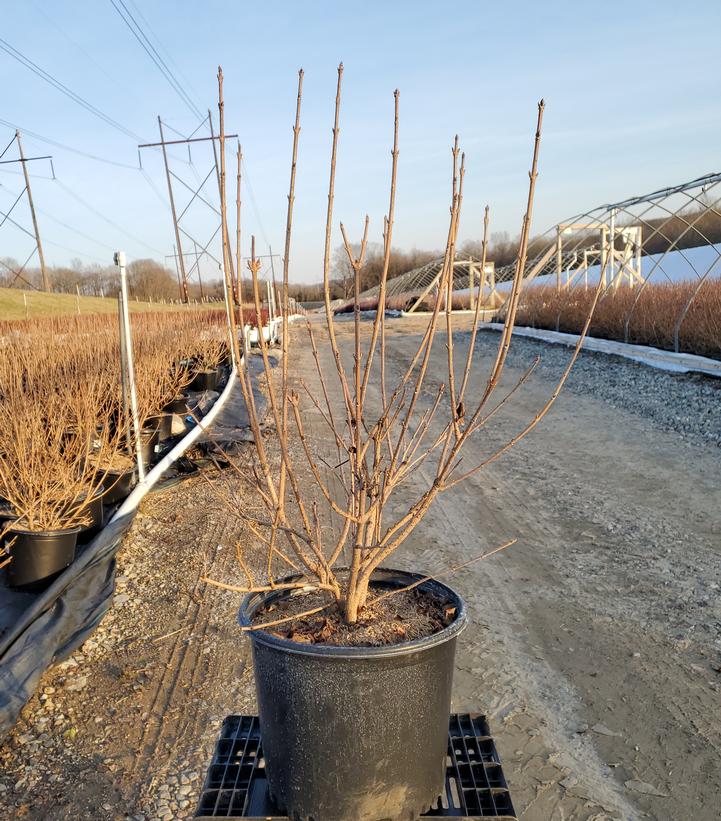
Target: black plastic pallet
<point>236,787</point>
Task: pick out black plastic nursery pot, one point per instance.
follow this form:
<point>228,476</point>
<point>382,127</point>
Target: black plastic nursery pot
<point>117,484</point>
<point>95,510</point>
<point>149,439</point>
<point>355,733</point>
<point>205,380</point>
<point>37,557</point>
<point>178,405</point>
<point>163,423</point>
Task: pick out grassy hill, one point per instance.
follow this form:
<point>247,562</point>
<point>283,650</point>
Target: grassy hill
<point>17,304</point>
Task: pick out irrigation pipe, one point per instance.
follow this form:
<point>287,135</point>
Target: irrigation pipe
<point>139,491</point>
<point>152,477</point>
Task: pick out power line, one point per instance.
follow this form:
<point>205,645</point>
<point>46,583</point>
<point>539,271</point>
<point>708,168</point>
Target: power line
<point>155,189</point>
<point>110,222</point>
<point>35,136</point>
<point>63,89</point>
<point>65,225</point>
<point>168,54</point>
<point>152,52</point>
<point>253,203</point>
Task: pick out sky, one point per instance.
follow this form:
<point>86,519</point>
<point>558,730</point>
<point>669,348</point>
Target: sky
<point>631,91</point>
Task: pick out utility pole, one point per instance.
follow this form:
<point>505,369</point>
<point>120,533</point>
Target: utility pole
<point>23,162</point>
<point>181,261</point>
<point>197,265</point>
<point>197,195</point>
<point>177,272</point>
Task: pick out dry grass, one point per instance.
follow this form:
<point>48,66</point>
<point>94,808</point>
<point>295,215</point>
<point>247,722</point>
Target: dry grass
<point>652,322</point>
<point>18,304</point>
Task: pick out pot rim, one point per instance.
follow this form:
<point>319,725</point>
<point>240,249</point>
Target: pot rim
<point>62,531</point>
<point>253,601</point>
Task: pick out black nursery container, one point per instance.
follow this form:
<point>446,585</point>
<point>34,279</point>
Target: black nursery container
<point>97,517</point>
<point>355,733</point>
<point>117,484</point>
<point>39,556</point>
<point>149,438</point>
<point>163,424</point>
<point>177,405</point>
<point>206,380</point>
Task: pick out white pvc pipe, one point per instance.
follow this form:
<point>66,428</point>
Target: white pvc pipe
<point>137,494</point>
<point>134,499</point>
<point>130,364</point>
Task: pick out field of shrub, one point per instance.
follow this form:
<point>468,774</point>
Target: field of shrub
<point>652,322</point>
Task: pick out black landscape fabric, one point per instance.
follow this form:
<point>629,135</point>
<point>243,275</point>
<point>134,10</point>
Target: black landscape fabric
<point>39,629</point>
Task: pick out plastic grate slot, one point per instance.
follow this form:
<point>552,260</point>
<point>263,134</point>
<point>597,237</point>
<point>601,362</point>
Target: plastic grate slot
<point>236,787</point>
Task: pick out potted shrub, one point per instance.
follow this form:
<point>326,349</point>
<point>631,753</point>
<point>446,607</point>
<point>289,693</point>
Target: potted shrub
<point>55,435</point>
<point>48,479</point>
<point>353,660</point>
<point>209,353</point>
<point>254,326</point>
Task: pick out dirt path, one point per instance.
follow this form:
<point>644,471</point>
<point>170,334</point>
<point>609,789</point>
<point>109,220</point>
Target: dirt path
<point>594,644</point>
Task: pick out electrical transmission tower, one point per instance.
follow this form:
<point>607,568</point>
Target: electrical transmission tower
<point>196,196</point>
<point>23,160</point>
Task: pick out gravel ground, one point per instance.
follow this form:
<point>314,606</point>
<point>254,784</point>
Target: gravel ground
<point>687,404</point>
<point>125,728</point>
<point>594,648</point>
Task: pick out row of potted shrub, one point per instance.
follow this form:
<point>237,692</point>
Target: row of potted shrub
<point>67,448</point>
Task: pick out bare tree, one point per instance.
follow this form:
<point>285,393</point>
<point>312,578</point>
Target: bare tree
<point>379,445</point>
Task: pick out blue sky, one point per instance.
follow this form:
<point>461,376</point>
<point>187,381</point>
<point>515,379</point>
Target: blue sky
<point>631,91</point>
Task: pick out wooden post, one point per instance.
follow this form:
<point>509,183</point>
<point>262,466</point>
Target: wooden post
<point>41,256</point>
<point>181,261</point>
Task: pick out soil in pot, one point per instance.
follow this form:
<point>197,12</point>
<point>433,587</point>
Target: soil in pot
<point>205,380</point>
<point>38,557</point>
<point>355,718</point>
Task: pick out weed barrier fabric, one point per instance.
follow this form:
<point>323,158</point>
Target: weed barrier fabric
<point>40,629</point>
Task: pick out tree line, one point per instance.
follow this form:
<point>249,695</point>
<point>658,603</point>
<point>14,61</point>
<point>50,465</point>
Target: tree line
<point>148,279</point>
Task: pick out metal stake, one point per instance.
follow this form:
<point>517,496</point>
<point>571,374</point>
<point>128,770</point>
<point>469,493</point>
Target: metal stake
<point>120,262</point>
